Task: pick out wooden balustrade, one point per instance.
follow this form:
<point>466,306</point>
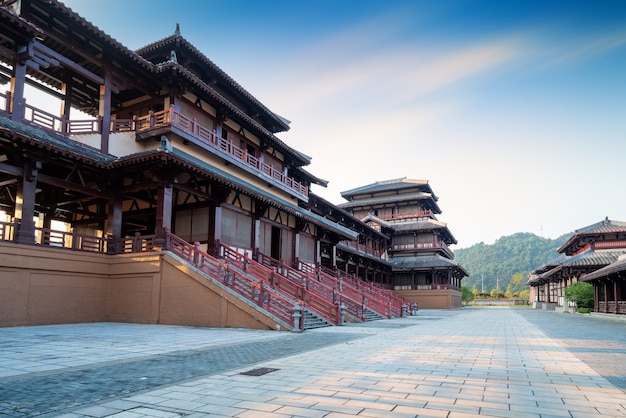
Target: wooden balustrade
<point>163,118</point>
<point>403,216</point>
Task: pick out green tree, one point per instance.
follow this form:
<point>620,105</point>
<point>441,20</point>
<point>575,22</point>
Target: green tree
<point>475,291</point>
<point>517,282</point>
<point>582,293</point>
<point>509,292</point>
<point>525,294</point>
<point>466,294</point>
<point>495,293</point>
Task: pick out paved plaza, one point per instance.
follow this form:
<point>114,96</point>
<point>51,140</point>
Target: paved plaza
<point>498,362</point>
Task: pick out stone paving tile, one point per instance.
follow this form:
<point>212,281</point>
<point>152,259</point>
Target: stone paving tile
<point>470,362</point>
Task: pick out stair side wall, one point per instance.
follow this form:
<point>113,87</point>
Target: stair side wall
<point>40,285</point>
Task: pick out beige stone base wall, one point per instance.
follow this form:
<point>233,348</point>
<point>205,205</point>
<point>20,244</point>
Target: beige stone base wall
<point>433,299</point>
<point>42,285</point>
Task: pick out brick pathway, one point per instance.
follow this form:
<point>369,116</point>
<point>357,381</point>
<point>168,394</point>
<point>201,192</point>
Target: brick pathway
<point>499,362</point>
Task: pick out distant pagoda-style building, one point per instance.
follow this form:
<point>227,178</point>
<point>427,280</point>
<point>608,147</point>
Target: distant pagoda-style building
<point>423,266</point>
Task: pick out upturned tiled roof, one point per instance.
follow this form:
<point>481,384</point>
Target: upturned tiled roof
<point>385,185</point>
<point>591,258</point>
<point>50,141</point>
<point>169,66</point>
<point>584,235</point>
<point>613,268</point>
<point>427,261</point>
<point>177,41</point>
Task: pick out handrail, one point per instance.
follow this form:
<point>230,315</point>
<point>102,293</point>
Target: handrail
<point>80,242</point>
<point>256,291</point>
<point>315,296</point>
<point>386,296</point>
<point>351,291</point>
<point>362,247</point>
<point>409,215</point>
<point>210,137</point>
<point>162,118</point>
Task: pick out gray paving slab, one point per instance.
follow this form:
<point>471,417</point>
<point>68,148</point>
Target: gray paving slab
<point>502,362</point>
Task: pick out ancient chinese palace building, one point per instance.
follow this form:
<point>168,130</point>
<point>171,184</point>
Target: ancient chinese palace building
<point>159,192</point>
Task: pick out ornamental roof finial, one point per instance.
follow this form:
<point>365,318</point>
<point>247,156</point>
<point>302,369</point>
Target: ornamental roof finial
<point>177,31</point>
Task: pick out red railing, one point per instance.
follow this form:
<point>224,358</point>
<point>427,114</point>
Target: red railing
<point>257,291</point>
<point>80,242</point>
<point>209,137</point>
<point>355,293</point>
<point>163,118</point>
<point>293,283</point>
<point>410,215</point>
<point>385,297</point>
<point>363,248</point>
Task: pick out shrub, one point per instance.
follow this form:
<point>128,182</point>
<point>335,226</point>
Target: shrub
<point>584,310</point>
<point>582,293</point>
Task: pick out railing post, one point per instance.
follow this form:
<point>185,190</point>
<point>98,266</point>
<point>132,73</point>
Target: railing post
<point>8,103</point>
<point>298,325</point>
<point>136,243</point>
<point>64,130</point>
<point>342,313</point>
<point>261,298</point>
<point>196,253</point>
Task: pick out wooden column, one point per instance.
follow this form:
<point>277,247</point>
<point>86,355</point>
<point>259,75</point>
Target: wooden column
<point>18,80</point>
<point>114,217</point>
<point>25,203</point>
<point>164,209</point>
<point>105,110</point>
<point>66,103</point>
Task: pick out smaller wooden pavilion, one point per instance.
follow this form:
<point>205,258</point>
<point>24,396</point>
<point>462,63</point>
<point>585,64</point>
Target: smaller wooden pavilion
<point>588,250</point>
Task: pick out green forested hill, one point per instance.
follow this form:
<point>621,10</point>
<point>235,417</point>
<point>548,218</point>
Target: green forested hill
<point>518,253</point>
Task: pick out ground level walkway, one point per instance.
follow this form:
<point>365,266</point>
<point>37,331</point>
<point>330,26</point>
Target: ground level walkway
<point>498,362</point>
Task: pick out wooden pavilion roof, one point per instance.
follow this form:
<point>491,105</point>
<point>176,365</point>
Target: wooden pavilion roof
<point>616,268</point>
<point>593,233</point>
<point>196,62</point>
<point>389,185</point>
<point>427,262</point>
<point>421,225</point>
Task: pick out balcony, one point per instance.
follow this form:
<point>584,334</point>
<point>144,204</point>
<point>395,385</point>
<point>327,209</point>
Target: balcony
<point>362,248</point>
<point>165,120</point>
<point>406,216</point>
<point>436,245</point>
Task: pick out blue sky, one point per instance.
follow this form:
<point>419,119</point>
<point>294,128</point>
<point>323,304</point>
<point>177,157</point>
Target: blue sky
<point>514,111</point>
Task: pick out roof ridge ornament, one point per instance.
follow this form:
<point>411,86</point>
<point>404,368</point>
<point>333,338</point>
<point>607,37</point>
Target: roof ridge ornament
<point>177,31</point>
<point>173,57</point>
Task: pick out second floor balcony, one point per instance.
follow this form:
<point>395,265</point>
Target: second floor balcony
<point>436,245</point>
<point>156,123</point>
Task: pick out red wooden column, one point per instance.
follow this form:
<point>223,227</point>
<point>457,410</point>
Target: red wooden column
<point>25,203</point>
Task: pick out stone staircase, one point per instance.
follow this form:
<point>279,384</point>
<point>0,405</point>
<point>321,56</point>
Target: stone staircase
<point>312,320</point>
<point>370,315</point>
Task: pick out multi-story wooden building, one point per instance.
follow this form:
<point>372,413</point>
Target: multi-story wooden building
<point>587,251</point>
<point>422,263</point>
<point>167,180</point>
